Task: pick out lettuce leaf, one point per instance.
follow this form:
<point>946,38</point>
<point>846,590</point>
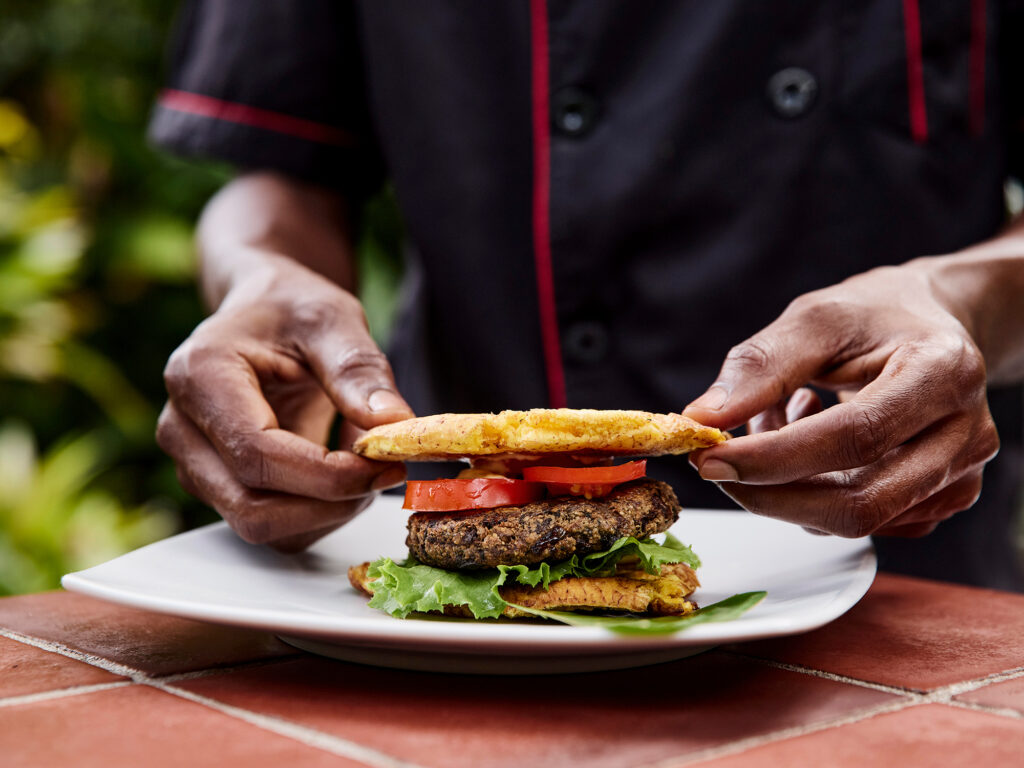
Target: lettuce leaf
<point>403,588</point>
<point>652,555</point>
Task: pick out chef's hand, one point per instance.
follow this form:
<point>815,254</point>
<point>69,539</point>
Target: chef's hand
<point>253,393</point>
<point>905,447</point>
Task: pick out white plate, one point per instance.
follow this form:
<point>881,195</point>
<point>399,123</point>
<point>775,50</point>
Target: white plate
<point>210,574</point>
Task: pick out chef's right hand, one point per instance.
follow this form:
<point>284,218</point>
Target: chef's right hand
<point>253,394</point>
<point>906,446</point>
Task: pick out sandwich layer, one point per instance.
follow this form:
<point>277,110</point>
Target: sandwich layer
<point>630,589</point>
<point>547,530</point>
<point>585,432</point>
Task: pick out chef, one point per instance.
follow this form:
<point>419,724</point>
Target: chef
<point>604,201</point>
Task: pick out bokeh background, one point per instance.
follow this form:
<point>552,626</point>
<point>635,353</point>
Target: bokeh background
<point>97,284</point>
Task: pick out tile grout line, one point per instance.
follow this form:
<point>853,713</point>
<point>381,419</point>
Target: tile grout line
<point>744,745</point>
<point>832,676</point>
<point>135,675</point>
<point>303,734</point>
<point>987,709</point>
<point>940,694</point>
<point>61,693</point>
<point>62,650</point>
<point>198,674</point>
<point>966,686</point>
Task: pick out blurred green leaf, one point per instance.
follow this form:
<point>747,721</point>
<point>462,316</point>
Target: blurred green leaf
<point>155,247</point>
<point>96,284</point>
<point>52,520</point>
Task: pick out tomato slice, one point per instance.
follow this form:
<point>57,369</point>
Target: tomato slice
<point>585,481</point>
<point>621,473</point>
<point>454,495</point>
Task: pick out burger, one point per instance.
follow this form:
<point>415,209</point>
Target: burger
<point>543,520</point>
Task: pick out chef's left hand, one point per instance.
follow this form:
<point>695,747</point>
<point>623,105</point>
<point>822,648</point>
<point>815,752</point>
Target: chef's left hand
<point>905,447</point>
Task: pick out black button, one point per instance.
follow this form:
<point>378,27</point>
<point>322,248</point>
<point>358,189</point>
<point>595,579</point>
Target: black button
<point>586,342</point>
<point>573,111</point>
<point>792,91</point>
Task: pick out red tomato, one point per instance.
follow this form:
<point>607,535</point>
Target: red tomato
<point>476,493</point>
<point>585,481</point>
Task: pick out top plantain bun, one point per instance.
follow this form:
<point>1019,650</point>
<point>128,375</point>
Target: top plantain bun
<point>537,432</point>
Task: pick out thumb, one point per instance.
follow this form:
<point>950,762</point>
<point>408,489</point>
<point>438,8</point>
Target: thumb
<point>760,372</point>
<point>355,374</point>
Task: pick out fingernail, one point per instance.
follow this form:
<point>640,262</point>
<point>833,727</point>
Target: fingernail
<point>719,471</point>
<point>385,400</point>
<point>389,478</point>
<point>711,400</point>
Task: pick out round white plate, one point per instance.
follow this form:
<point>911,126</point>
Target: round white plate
<point>210,574</point>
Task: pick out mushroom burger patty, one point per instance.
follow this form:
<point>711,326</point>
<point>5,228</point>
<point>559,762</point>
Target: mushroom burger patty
<point>550,529</point>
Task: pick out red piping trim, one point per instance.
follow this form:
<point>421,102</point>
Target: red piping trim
<point>243,114</point>
<point>915,71</point>
<point>542,204</point>
<point>977,67</point>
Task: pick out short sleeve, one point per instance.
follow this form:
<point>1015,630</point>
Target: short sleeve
<point>270,85</point>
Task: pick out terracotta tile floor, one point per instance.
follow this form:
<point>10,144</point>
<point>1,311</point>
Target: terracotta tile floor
<point>912,633</point>
<point>1008,694</point>
<point>149,642</point>
<point>25,669</point>
<point>930,735</point>
<point>894,682</point>
<point>617,718</point>
<point>142,726</point>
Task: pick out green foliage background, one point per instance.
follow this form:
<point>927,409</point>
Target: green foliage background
<point>97,285</point>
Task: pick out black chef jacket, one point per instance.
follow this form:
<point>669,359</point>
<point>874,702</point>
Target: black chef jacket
<point>603,196</point>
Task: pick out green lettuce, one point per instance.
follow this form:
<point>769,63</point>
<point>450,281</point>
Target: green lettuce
<point>411,586</point>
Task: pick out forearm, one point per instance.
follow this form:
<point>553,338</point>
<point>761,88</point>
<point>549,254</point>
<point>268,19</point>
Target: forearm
<point>984,287</point>
<point>259,219</point>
